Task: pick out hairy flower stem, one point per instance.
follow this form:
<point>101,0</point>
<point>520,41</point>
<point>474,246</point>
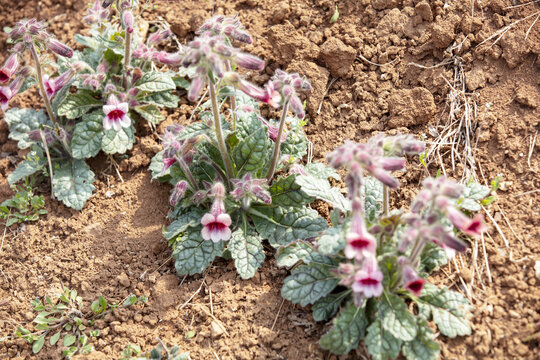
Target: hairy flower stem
<point>386,200</point>
<point>39,74</point>
<point>188,173</point>
<point>127,58</point>
<point>219,133</point>
<point>232,98</point>
<point>48,160</point>
<point>275,154</point>
<point>416,251</point>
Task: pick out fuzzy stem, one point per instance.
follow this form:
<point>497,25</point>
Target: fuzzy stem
<point>416,250</point>
<point>42,87</point>
<point>232,98</point>
<point>188,173</point>
<point>275,154</point>
<point>219,133</point>
<point>127,58</point>
<point>386,200</point>
<point>48,160</point>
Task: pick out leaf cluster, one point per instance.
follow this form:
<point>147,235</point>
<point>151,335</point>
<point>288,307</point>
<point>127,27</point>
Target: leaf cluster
<point>23,206</point>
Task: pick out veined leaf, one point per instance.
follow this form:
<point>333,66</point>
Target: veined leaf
<point>155,81</point>
<point>251,153</point>
<point>326,307</point>
<point>423,347</point>
<point>72,183</point>
<point>347,331</point>
<point>76,105</point>
<point>289,255</point>
<point>308,283</point>
<point>190,218</point>
<point>247,252</point>
<point>322,190</point>
<point>34,162</point>
<point>286,192</point>
<point>87,136</point>
<point>118,142</point>
<point>163,98</point>
<point>21,122</point>
<point>380,343</point>
<point>150,112</point>
<point>193,254</point>
<point>396,318</point>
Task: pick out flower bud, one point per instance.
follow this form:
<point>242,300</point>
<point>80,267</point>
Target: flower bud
<point>9,68</point>
<point>127,20</point>
<point>296,106</point>
<point>159,36</point>
<point>392,164</point>
<point>248,61</point>
<point>174,59</point>
<point>60,48</point>
<point>178,192</point>
<point>195,88</point>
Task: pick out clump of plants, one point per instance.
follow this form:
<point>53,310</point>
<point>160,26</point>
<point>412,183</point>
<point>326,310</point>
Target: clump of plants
<point>23,206</point>
<point>92,98</point>
<point>64,319</point>
<point>368,271</point>
<point>160,352</point>
<point>237,176</point>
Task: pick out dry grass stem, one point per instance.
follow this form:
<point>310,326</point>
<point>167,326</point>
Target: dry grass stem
<point>324,95</point>
<point>277,315</point>
<point>532,144</point>
<point>500,33</point>
<point>192,295</point>
<point>372,63</point>
<point>509,225</point>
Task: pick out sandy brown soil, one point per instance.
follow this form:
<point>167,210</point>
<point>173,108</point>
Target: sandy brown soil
<point>114,246</point>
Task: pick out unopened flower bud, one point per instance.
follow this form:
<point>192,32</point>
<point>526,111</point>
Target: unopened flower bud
<point>60,48</point>
<point>178,192</point>
<point>159,36</point>
<point>195,88</point>
<point>127,20</point>
<point>296,106</point>
<point>248,61</point>
<point>174,59</point>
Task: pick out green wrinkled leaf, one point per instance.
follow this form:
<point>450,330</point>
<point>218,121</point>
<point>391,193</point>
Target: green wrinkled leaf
<point>396,318</point>
<point>331,241</point>
<point>193,130</point>
<point>432,257</point>
<point>308,283</point>
<point>76,105</point>
<point>423,347</point>
<point>163,98</point>
<point>54,339</point>
<point>21,122</point>
<point>476,191</point>
<point>289,255</point>
<point>155,81</point>
<point>86,41</point>
<point>72,183</point>
<point>38,344</point>
<point>150,112</point>
<point>156,166</point>
<point>380,343</point>
<point>190,218</point>
<point>448,309</point>
<point>118,142</point>
<point>34,162</point>
<point>181,82</point>
<point>193,254</point>
<point>247,252</point>
<point>282,226</point>
<point>322,190</point>
<point>372,191</point>
<point>87,136</point>
<point>347,330</point>
<point>296,143</point>
<point>325,308</point>
<point>322,171</point>
<point>286,192</point>
<point>251,153</point>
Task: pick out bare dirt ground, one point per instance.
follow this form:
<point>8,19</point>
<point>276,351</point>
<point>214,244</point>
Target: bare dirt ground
<point>381,67</point>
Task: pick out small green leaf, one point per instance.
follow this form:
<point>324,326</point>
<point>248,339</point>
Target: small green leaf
<point>286,192</point>
<point>118,142</point>
<point>326,307</point>
<point>54,339</point>
<point>69,340</point>
<point>163,98</point>
<point>87,136</point>
<point>76,105</point>
<point>432,257</point>
<point>282,226</point>
<point>347,330</point>
<point>38,344</point>
<point>423,347</point>
<point>190,334</point>
<point>372,192</point>
<point>322,190</point>
<point>449,310</point>
<point>33,163</point>
<point>308,283</point>
<point>155,81</point>
<point>331,241</point>
<point>247,252</point>
<point>335,17</point>
<point>380,343</point>
<point>72,183</point>
<point>251,153</point>
<point>193,254</point>
<point>396,318</point>
<point>189,218</point>
<point>150,112</point>
<point>21,122</point>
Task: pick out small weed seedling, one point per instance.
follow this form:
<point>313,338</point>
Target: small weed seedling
<point>64,319</point>
<point>371,267</point>
<point>161,352</point>
<point>92,99</point>
<point>23,206</point>
<point>239,182</point>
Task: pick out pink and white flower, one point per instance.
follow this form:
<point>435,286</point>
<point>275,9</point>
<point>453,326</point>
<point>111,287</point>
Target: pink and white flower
<point>360,243</point>
<point>5,96</point>
<point>9,68</point>
<point>411,280</point>
<point>216,223</point>
<point>116,114</point>
<point>368,280</point>
<point>473,227</point>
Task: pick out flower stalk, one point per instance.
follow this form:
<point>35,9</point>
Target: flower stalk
<point>127,58</point>
<point>219,133</point>
<point>39,74</point>
<point>275,154</point>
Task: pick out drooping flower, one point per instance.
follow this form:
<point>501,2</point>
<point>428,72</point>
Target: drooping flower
<point>368,280</point>
<point>60,48</point>
<point>409,277</point>
<point>360,243</point>
<point>54,85</point>
<point>5,96</point>
<point>9,68</point>
<point>272,130</point>
<point>178,192</point>
<point>158,36</point>
<point>216,223</point>
<point>116,114</point>
<point>287,86</point>
<point>473,227</point>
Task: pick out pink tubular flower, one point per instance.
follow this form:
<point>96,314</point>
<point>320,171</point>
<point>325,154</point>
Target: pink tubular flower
<point>178,192</point>
<point>216,223</point>
<point>5,96</point>
<point>9,68</point>
<point>272,97</point>
<point>159,36</point>
<point>360,243</point>
<point>411,280</point>
<point>60,48</point>
<point>473,227</point>
<point>166,58</point>
<point>368,280</point>
<point>115,114</point>
<point>53,86</point>
<point>248,61</point>
<point>272,130</point>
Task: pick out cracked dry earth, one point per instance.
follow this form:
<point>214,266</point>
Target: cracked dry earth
<point>385,65</point>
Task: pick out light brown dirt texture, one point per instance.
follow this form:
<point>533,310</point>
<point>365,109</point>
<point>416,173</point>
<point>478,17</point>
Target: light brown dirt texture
<point>384,65</point>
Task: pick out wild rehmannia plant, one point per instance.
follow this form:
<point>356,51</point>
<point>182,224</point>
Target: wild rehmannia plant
<point>372,266</point>
<point>92,98</point>
<point>237,179</point>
